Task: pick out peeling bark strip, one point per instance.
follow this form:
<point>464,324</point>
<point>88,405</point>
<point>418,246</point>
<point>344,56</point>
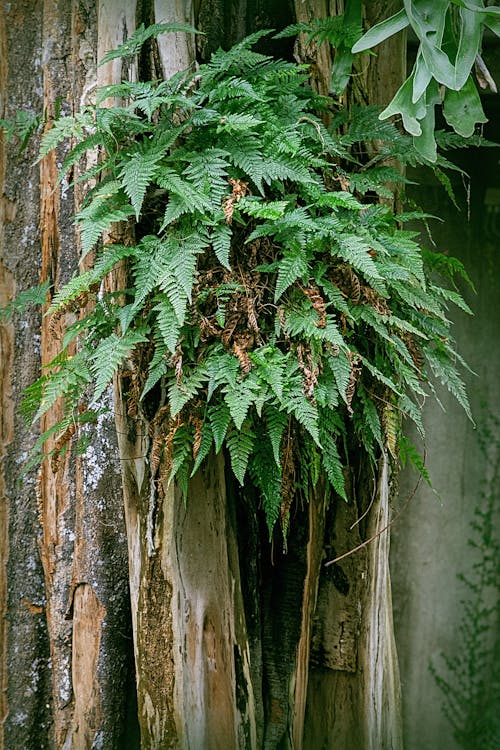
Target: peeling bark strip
<point>383,692</point>
<point>83,546</point>
<point>88,616</point>
<point>6,411</point>
<point>56,488</point>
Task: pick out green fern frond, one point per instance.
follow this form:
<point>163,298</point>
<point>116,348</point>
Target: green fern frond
<point>208,171</point>
<point>270,363</point>
<point>240,445</point>
<point>168,265</point>
<point>182,448</point>
<point>276,422</point>
<point>221,240</point>
<point>184,196</point>
<point>238,123</point>
<point>408,454</point>
<point>304,411</point>
<point>206,442</point>
<point>240,56</point>
<point>61,130</point>
<point>341,370</point>
<point>240,396</point>
<point>446,265</point>
<point>180,393</point>
<point>222,368</point>
<point>332,463</point>
<point>66,377</point>
<point>265,474</point>
<point>109,205</point>
<point>417,297</point>
<point>137,172</point>
<point>446,372</point>
<point>167,321</point>
<point>109,355</point>
<point>285,168</point>
<point>379,375</point>
<point>134,43</point>
<point>260,209</point>
<point>371,418</point>
<point>245,153</point>
<point>292,266</point>
<point>72,289</point>
<point>220,418</point>
<point>234,87</point>
<point>80,150</point>
<point>35,296</point>
<point>356,251</point>
<point>451,296</point>
<point>157,367</point>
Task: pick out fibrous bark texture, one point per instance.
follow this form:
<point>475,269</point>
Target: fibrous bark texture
<point>130,617</point>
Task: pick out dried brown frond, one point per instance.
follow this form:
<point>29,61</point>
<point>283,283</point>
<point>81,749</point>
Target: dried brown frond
<point>197,422</point>
<point>209,329</point>
<point>161,416</point>
<point>240,189</point>
<point>72,306</point>
<point>354,360</point>
<point>348,282</point>
<point>176,363</point>
<point>373,298</point>
<point>156,452</point>
<point>39,493</point>
<point>232,320</point>
<point>318,303</point>
<point>60,444</point>
<point>161,430</point>
<point>251,314</point>
<point>344,182</point>
<point>309,369</point>
<point>242,343</point>
<point>414,350</point>
<point>288,482</point>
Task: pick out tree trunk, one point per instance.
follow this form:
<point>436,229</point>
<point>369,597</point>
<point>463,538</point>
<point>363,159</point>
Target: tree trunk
<point>236,643</point>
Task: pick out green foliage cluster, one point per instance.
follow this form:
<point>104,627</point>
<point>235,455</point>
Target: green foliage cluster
<point>449,34</point>
<point>470,678</point>
<point>272,303</point>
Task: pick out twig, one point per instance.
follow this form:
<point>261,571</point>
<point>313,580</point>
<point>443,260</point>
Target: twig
<point>375,536</point>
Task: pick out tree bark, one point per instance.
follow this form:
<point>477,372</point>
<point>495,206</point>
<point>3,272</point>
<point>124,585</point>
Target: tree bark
<point>25,680</point>
<point>236,644</point>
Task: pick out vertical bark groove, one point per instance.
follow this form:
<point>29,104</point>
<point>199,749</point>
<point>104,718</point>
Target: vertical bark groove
<point>6,410</point>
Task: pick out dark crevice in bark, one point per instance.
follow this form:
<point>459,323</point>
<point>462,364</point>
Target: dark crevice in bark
<point>283,579</point>
<point>226,22</point>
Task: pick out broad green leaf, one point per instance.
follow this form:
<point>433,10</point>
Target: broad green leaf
<point>403,104</point>
<point>469,45</point>
<point>463,109</point>
<point>382,31</point>
<point>422,76</point>
<point>425,143</point>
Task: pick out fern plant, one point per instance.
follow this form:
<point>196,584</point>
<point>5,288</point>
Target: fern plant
<point>287,317</point>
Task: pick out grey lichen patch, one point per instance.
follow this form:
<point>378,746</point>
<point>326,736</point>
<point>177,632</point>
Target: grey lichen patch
<point>96,462</point>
